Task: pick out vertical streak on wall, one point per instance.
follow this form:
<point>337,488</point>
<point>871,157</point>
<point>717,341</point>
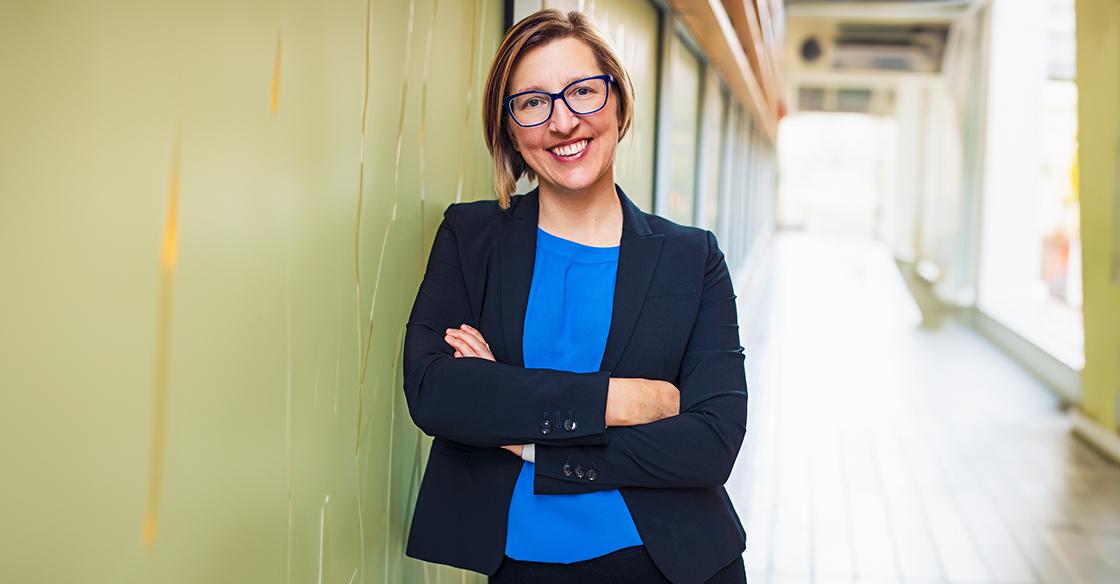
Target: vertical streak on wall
<point>168,257</point>
<point>421,180</point>
<point>288,411</point>
<point>392,433</point>
<point>274,102</point>
<point>361,186</point>
<point>424,107</point>
<point>392,220</point>
<point>322,525</point>
<point>358,274</point>
<point>474,55</point>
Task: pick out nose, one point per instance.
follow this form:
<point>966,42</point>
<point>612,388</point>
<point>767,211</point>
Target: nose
<point>563,119</point>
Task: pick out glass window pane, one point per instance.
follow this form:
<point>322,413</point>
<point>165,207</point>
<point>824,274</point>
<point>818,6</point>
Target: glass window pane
<point>713,117</point>
<point>1029,276</point>
<point>633,28</point>
<point>684,88</point>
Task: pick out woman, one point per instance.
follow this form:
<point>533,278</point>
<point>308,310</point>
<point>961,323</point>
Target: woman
<point>577,360</point>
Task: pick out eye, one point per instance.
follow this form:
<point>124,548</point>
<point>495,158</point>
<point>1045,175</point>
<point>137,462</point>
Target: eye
<point>531,102</point>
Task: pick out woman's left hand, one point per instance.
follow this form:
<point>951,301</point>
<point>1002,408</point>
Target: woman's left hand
<point>469,342</point>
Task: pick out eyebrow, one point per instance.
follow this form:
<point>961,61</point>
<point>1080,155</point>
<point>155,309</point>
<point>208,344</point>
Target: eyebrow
<point>566,83</point>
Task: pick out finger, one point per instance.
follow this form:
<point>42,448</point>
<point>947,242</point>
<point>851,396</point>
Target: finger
<point>477,346</point>
<point>471,336</point>
<point>458,354</point>
<point>475,333</point>
<point>484,353</point>
<point>461,345</point>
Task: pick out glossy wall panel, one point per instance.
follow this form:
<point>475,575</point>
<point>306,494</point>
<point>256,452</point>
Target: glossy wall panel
<point>213,221</point>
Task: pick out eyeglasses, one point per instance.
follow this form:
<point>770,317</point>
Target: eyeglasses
<point>582,96</point>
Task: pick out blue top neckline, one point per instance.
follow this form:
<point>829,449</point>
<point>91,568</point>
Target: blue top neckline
<point>577,252</point>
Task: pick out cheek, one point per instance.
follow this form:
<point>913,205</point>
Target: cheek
<point>526,141</point>
<point>608,128</point>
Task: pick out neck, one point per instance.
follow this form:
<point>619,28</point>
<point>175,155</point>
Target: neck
<point>591,216</point>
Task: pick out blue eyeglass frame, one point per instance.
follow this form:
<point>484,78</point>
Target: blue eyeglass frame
<point>552,97</point>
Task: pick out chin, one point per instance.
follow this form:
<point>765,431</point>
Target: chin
<point>578,182</point>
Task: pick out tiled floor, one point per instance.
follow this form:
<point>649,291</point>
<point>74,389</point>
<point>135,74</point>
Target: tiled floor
<point>877,451</point>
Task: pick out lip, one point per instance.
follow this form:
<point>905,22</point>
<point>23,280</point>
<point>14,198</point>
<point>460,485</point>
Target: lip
<point>571,159</point>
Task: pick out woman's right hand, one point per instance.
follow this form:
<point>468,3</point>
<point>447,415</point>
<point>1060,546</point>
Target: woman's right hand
<point>633,400</point>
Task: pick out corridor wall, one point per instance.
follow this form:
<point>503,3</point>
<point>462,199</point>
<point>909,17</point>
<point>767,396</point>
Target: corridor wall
<point>1098,84</point>
<point>213,221</point>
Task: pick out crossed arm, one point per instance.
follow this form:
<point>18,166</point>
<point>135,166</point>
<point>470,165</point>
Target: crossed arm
<point>474,400</point>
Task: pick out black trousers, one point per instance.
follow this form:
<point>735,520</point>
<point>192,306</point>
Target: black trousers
<point>630,565</point>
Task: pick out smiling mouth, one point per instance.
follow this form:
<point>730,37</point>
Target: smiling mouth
<point>570,151</point>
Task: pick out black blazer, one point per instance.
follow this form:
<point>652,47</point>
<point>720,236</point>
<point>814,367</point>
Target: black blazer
<point>673,319</point>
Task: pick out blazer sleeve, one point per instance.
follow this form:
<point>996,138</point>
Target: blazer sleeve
<point>480,402</point>
<point>696,448</point>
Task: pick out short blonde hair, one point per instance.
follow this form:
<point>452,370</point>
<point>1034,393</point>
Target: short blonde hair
<point>541,28</point>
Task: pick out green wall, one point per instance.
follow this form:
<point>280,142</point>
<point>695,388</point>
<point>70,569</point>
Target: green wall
<point>190,294</point>
<point>1098,80</point>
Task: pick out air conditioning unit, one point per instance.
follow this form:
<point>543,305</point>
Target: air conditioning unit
<point>810,47</point>
<point>818,45</point>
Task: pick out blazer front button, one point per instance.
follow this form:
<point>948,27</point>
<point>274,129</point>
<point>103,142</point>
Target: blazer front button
<point>567,468</point>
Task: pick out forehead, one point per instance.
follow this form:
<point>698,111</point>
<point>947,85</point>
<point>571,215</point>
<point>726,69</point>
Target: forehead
<point>551,66</point>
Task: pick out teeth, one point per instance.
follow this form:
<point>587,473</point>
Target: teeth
<point>570,149</point>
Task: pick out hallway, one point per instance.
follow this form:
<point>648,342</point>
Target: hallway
<point>877,451</point>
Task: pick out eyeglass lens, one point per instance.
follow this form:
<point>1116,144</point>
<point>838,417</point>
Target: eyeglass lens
<point>583,97</point>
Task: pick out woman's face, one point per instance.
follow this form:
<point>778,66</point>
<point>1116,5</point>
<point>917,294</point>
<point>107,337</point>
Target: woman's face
<point>551,67</point>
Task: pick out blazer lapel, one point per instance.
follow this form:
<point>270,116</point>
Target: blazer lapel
<point>517,252</point>
<point>639,251</point>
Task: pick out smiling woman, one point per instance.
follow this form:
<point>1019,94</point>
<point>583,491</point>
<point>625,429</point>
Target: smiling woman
<point>566,55</point>
<point>576,359</point>
<point>573,151</point>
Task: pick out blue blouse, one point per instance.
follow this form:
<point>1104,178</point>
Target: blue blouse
<point>566,324</point>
